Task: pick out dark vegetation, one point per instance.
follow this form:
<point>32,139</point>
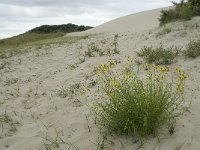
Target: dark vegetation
<point>65,28</point>
<point>181,11</point>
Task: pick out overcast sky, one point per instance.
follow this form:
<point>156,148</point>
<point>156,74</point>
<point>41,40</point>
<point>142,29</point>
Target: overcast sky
<point>18,16</point>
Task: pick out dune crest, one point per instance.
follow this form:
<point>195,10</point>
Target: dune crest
<point>134,23</point>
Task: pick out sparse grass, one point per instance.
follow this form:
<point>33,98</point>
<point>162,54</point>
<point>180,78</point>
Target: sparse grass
<point>18,45</point>
<point>179,147</point>
<point>138,106</point>
<point>4,64</point>
<point>115,44</point>
<point>101,143</point>
<point>56,143</point>
<point>160,55</point>
<point>193,49</point>
<point>164,30</point>
<point>10,81</point>
<point>73,66</point>
<point>64,91</point>
<point>23,39</point>
<point>8,125</point>
<point>82,59</point>
<point>94,50</point>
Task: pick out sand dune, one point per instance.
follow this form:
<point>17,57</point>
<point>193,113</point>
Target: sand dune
<point>134,23</point>
<point>33,88</point>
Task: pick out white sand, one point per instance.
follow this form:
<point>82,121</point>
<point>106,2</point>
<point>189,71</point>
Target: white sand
<point>31,98</point>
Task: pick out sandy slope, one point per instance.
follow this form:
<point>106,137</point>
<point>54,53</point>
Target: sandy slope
<point>133,23</point>
<point>29,83</point>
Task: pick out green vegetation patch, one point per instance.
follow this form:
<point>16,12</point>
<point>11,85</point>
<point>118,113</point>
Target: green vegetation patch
<point>17,45</point>
<point>160,55</point>
<point>181,11</point>
<point>46,34</point>
<point>193,49</point>
<point>65,28</point>
<point>138,106</point>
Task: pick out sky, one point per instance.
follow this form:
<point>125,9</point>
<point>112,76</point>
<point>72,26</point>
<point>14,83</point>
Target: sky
<point>18,16</point>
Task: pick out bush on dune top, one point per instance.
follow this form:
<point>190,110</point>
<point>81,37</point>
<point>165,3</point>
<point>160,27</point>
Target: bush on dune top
<point>181,11</point>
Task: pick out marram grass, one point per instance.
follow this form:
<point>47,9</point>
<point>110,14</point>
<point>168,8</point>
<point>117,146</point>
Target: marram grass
<point>137,106</point>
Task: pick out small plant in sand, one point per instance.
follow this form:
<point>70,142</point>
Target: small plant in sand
<point>137,105</point>
<point>193,49</point>
<point>64,91</point>
<point>160,55</point>
<point>163,31</point>
<point>92,48</point>
<point>115,44</point>
<point>56,143</point>
<point>8,125</point>
<point>4,64</point>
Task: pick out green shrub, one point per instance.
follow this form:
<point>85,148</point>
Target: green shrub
<point>137,106</point>
<point>182,11</point>
<point>64,28</point>
<point>160,55</point>
<point>193,49</point>
<point>195,6</point>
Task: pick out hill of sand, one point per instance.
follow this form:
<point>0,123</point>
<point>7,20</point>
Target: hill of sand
<point>132,23</point>
<point>46,93</point>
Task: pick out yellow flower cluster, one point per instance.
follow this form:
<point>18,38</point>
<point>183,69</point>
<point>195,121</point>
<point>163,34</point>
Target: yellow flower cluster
<point>181,82</point>
<point>102,68</point>
<point>164,70</point>
<point>146,66</point>
<point>115,83</point>
<point>155,72</point>
<point>113,63</point>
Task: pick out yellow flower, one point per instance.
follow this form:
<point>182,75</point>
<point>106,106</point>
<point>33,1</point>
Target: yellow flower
<point>157,77</point>
<point>182,77</point>
<point>114,83</point>
<point>164,70</point>
<point>98,72</point>
<point>178,70</point>
<point>146,66</point>
<point>149,76</point>
<point>155,67</point>
<point>180,88</point>
<point>125,77</point>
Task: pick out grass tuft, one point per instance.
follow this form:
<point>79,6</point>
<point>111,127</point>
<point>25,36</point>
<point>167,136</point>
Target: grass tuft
<point>160,55</point>
<point>193,49</point>
<point>138,106</point>
<point>8,125</point>
<point>165,30</point>
<point>64,91</point>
